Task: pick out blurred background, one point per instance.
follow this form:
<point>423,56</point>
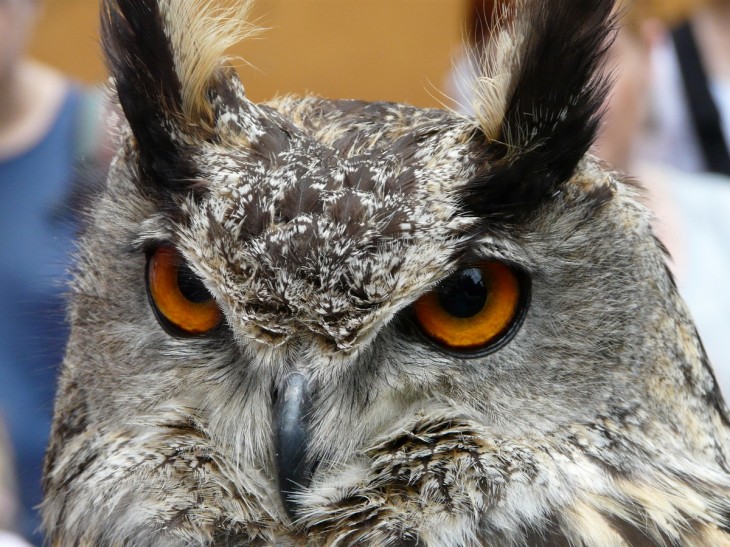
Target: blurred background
<point>396,50</point>
<point>667,124</point>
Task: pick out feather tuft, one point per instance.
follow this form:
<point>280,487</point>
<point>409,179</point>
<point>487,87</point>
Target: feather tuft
<point>539,102</point>
<point>167,61</point>
<point>199,34</point>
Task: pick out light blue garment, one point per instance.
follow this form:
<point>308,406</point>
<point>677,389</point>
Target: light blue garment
<point>37,236</point>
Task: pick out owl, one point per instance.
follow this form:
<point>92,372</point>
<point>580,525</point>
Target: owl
<point>334,322</point>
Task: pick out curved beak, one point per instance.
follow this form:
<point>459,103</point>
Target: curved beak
<point>294,469</point>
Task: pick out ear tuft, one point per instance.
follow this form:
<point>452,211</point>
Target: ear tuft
<point>200,34</point>
<point>143,70</point>
<point>498,64</point>
<point>540,101</point>
<point>165,57</point>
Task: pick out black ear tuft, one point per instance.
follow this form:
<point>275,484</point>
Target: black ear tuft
<point>141,61</point>
<point>553,106</point>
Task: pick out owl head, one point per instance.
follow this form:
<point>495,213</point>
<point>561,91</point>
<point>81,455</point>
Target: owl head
<point>315,321</point>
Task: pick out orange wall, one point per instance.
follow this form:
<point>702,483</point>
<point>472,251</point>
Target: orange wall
<point>370,49</point>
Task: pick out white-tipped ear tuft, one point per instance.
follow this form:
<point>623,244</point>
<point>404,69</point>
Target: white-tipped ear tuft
<point>496,66</point>
<point>167,62</point>
<point>200,33</point>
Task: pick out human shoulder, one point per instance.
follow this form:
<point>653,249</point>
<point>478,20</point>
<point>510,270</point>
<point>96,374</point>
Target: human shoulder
<point>38,97</point>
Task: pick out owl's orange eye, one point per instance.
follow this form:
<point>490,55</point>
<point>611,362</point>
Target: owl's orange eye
<point>474,309</point>
<point>180,300</point>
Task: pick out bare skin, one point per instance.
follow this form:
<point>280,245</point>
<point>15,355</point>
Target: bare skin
<point>30,93</point>
<point>29,102</point>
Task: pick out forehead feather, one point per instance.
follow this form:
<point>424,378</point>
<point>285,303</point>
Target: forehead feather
<point>338,228</point>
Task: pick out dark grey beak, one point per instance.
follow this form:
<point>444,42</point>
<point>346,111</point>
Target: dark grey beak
<point>291,429</point>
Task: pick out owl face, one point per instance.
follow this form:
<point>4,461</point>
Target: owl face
<point>338,322</point>
<point>330,235</point>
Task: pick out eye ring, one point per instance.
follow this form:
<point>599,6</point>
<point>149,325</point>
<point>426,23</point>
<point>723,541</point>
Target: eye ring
<point>180,301</point>
<point>476,311</point>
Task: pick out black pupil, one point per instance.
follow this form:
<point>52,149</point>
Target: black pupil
<point>190,286</point>
<point>464,294</point>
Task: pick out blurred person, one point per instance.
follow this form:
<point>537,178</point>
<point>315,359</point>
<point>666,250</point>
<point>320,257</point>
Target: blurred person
<point>48,126</point>
<point>8,488</point>
<point>692,210</point>
<point>8,493</point>
<point>690,94</point>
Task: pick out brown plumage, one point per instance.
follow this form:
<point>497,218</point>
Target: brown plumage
<point>247,365</point>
